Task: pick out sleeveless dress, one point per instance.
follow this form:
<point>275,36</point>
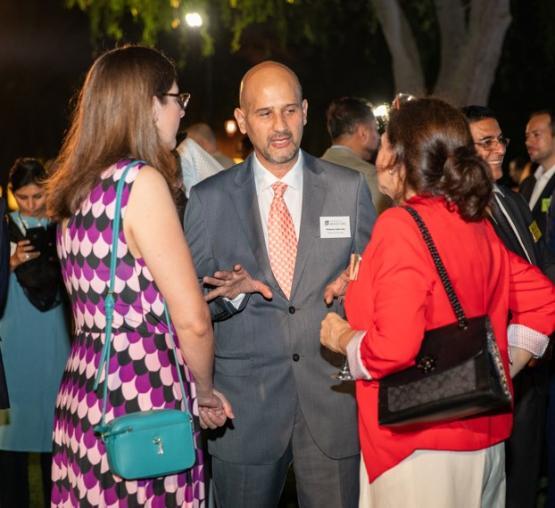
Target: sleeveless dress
<point>142,373</point>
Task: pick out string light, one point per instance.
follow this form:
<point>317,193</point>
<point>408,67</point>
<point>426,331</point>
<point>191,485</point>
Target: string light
<point>193,19</point>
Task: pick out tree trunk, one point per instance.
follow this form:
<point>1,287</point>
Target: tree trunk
<point>452,31</point>
<point>473,75</point>
<point>407,69</point>
<point>471,46</point>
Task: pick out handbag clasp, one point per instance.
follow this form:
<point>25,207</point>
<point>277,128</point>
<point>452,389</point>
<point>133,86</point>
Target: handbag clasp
<point>157,441</point>
<point>427,364</point>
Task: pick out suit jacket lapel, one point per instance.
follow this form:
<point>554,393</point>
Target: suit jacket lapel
<point>546,193</point>
<point>516,235</point>
<point>527,186</point>
<point>502,226</point>
<point>246,204</point>
<point>314,193</point>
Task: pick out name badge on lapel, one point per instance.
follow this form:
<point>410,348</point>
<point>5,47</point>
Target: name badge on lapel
<point>546,202</point>
<point>535,231</point>
<point>335,227</point>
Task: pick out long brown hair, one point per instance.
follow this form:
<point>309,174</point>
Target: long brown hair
<point>113,119</point>
<point>433,141</point>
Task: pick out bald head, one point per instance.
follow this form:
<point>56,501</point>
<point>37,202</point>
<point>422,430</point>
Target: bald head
<point>263,74</point>
<point>272,113</point>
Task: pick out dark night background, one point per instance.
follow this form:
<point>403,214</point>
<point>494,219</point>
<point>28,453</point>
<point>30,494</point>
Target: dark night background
<point>45,51</point>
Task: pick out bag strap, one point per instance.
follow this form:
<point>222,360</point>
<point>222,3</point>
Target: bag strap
<point>109,303</point>
<point>453,300</point>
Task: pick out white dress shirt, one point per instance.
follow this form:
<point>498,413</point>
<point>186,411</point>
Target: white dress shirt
<point>542,177</point>
<point>293,196</point>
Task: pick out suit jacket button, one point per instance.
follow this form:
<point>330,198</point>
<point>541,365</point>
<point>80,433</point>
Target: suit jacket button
<point>292,310</point>
<point>296,357</point>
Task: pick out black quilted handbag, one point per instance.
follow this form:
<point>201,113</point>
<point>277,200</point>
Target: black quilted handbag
<point>457,373</point>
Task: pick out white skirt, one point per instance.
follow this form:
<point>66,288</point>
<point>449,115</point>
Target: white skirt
<point>439,479</point>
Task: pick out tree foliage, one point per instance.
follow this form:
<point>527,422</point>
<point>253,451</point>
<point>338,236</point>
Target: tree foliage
<point>290,20</point>
<point>447,47</point>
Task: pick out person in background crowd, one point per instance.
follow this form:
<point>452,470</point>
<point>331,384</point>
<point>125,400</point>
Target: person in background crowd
<point>35,341</point>
<point>4,253</point>
<point>519,169</point>
<point>509,213</point>
<point>4,279</point>
<point>291,221</point>
<point>352,128</point>
<point>204,136</point>
<point>427,161</point>
<point>513,223</point>
<point>538,189</point>
<point>129,109</point>
<point>196,163</point>
<point>540,143</point>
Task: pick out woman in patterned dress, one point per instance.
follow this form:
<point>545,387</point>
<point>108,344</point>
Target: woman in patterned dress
<point>129,109</point>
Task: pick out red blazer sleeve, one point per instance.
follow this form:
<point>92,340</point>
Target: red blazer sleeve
<point>392,289</point>
<point>531,296</point>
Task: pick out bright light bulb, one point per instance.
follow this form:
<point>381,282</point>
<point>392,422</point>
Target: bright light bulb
<point>230,127</point>
<point>193,19</point>
<point>381,111</point>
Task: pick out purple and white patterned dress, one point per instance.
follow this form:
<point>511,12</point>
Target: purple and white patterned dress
<point>142,374</point>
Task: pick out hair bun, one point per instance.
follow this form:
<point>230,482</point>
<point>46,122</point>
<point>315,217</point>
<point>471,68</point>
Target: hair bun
<point>467,182</point>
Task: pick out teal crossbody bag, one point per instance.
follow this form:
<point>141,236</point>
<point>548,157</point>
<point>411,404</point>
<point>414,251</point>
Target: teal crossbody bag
<point>147,444</point>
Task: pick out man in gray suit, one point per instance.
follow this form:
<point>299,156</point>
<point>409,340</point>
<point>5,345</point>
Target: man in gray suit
<point>352,128</point>
<point>245,234</point>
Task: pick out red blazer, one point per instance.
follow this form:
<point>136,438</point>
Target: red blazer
<point>398,295</point>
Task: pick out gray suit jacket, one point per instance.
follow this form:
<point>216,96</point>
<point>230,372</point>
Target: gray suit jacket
<point>344,156</point>
<point>268,353</point>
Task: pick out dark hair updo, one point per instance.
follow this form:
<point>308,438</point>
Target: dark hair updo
<point>26,171</point>
<point>433,142</point>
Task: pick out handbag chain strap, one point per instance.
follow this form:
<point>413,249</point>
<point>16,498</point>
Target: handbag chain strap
<point>453,299</point>
<point>109,304</point>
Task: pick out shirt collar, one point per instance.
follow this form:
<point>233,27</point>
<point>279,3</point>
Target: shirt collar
<point>343,147</point>
<point>264,179</point>
<point>541,172</point>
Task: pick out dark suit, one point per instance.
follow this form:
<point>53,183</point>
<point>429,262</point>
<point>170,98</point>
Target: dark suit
<point>511,219</point>
<point>268,358</point>
<point>549,242</point>
<point>539,212</point>
<point>515,236</point>
<point>549,261</point>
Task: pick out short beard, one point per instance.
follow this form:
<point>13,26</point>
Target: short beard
<point>283,159</point>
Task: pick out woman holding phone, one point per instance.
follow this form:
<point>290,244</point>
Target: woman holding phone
<point>34,337</point>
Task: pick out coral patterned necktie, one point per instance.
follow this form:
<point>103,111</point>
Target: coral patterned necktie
<point>282,240</point>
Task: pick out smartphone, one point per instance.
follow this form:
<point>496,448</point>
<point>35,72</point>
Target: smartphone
<point>38,238</point>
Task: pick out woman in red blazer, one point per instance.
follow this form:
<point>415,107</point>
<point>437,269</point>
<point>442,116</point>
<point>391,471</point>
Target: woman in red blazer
<point>427,160</point>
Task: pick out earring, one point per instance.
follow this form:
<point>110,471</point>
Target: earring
<point>391,171</point>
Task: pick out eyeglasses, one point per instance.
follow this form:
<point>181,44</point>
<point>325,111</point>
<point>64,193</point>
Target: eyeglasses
<point>182,98</point>
<point>490,143</point>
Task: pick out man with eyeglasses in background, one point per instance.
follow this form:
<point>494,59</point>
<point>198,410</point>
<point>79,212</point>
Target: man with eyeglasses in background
<point>513,223</point>
<point>540,143</point>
